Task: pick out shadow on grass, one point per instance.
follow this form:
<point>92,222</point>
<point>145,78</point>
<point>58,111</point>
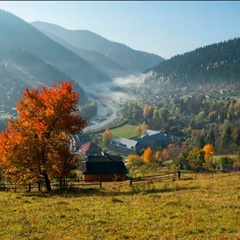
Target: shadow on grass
<point>102,192</point>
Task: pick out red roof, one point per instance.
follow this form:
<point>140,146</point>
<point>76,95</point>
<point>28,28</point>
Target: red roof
<point>90,148</point>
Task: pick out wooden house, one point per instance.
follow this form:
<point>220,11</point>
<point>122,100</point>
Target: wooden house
<point>90,148</point>
<point>78,140</point>
<point>104,168</point>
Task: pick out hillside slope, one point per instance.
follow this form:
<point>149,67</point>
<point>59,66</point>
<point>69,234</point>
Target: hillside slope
<point>132,60</point>
<point>99,61</point>
<point>20,69</point>
<point>16,33</point>
<point>214,64</point>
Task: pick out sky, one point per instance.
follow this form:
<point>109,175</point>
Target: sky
<point>166,28</point>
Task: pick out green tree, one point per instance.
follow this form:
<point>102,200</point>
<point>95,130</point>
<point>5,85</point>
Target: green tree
<point>211,138</point>
<point>196,159</point>
<point>134,160</point>
<point>237,141</point>
<point>227,137</point>
<point>156,120</point>
<point>201,142</point>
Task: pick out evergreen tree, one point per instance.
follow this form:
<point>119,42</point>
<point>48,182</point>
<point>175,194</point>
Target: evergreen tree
<point>201,142</point>
<point>237,141</point>
<point>227,137</point>
<point>211,138</point>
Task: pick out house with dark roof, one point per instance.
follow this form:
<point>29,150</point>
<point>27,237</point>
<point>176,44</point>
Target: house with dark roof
<point>77,140</point>
<point>153,139</point>
<point>124,146</point>
<point>104,168</point>
<point>89,148</point>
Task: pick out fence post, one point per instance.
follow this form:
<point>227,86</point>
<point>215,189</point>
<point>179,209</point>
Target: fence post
<point>131,181</point>
<point>29,187</point>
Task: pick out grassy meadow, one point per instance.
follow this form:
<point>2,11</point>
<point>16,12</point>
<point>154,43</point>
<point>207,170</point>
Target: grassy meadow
<point>193,207</point>
<point>125,131</point>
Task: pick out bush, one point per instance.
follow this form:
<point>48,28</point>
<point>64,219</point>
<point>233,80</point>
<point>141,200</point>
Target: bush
<point>226,160</point>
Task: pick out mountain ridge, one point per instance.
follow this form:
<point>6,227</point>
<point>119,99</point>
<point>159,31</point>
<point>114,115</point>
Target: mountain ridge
<point>130,59</point>
<point>215,63</point>
<point>37,43</point>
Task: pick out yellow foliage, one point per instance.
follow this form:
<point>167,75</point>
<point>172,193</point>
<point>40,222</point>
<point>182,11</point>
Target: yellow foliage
<point>209,152</point>
<point>134,159</point>
<point>148,155</point>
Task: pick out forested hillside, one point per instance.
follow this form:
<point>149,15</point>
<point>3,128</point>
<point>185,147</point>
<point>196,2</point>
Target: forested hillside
<point>213,64</point>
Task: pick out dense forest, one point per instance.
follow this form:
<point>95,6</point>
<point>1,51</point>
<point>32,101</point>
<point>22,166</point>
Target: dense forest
<point>193,120</point>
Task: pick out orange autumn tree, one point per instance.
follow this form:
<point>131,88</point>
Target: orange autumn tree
<point>148,155</point>
<point>209,152</point>
<point>36,144</point>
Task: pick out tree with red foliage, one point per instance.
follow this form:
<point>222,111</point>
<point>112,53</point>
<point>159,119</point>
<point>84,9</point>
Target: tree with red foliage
<point>36,144</point>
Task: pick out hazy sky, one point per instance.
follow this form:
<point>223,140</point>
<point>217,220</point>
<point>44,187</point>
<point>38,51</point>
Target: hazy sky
<point>166,28</point>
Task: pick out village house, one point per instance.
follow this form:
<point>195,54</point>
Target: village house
<point>153,139</point>
<point>89,148</point>
<point>78,140</point>
<point>124,146</point>
<point>104,168</point>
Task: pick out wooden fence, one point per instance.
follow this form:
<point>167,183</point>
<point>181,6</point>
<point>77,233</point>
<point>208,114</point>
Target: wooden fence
<point>76,184</point>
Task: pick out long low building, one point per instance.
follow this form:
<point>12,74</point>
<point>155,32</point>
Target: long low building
<point>153,139</point>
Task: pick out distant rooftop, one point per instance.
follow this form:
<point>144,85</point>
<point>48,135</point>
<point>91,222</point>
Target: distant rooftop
<point>124,142</point>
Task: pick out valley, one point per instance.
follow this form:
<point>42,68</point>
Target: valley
<point>192,97</point>
<point>100,140</point>
<point>106,114</point>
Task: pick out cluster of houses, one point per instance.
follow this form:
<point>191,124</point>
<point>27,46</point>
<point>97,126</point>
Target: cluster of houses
<point>100,166</point>
<point>97,165</point>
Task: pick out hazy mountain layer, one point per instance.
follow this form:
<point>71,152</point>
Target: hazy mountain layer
<point>132,60</point>
<point>20,69</point>
<point>16,33</point>
<point>99,61</point>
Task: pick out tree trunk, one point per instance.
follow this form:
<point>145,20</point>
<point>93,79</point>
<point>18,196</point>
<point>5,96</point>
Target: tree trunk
<point>47,181</point>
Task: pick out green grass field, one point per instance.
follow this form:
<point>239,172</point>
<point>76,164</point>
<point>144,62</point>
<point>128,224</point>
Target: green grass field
<point>125,131</point>
<point>194,207</point>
